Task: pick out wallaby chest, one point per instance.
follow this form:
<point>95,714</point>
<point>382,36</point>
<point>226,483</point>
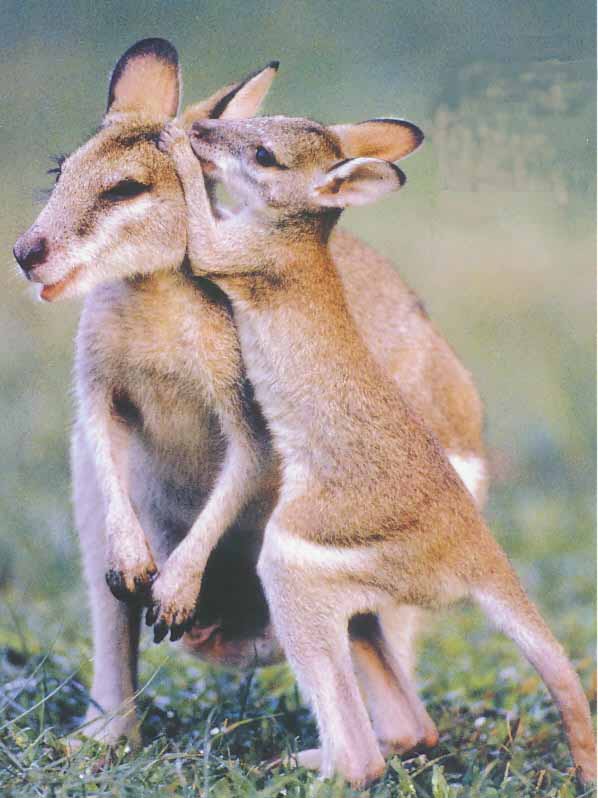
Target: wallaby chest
<point>164,355</point>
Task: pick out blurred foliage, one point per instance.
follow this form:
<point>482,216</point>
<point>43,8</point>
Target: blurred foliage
<point>496,232</point>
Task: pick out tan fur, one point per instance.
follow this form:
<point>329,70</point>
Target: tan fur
<point>370,515</point>
<point>158,364</point>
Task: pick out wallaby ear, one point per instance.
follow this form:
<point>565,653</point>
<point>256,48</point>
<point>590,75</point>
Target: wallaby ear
<point>358,181</point>
<point>237,101</point>
<point>389,139</point>
<point>146,78</point>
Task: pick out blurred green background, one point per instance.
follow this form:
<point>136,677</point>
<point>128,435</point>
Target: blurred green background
<point>496,232</point>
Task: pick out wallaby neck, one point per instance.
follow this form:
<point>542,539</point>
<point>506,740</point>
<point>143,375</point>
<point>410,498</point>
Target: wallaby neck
<point>273,231</point>
<point>297,337</point>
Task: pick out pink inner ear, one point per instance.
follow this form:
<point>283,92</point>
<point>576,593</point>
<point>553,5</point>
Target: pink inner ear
<point>358,181</point>
<point>247,101</point>
<point>389,140</point>
<point>237,101</point>
<point>147,84</point>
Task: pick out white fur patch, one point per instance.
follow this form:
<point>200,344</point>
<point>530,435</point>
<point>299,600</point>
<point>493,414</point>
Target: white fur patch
<point>514,624</point>
<point>119,254</point>
<point>107,234</point>
<point>284,546</point>
<point>471,470</point>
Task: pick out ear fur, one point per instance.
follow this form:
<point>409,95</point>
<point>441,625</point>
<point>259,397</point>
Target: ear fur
<point>358,181</point>
<point>146,78</point>
<point>236,101</point>
<point>389,139</point>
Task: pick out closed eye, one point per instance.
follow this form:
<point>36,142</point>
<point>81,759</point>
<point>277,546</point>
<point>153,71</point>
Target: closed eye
<point>124,190</point>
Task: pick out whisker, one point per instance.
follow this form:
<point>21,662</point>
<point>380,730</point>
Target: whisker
<point>59,158</point>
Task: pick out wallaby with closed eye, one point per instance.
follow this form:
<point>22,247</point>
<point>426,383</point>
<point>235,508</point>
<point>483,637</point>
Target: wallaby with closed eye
<point>158,368</point>
<point>370,515</point>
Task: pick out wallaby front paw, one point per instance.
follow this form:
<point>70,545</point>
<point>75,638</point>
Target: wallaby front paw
<point>171,136</point>
<point>128,587</point>
<point>173,606</point>
<point>130,578</point>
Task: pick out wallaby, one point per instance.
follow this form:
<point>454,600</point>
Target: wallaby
<point>156,350</point>
<point>370,515</point>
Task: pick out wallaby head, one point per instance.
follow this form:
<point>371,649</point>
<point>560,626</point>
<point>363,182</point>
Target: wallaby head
<point>297,165</point>
<point>117,209</point>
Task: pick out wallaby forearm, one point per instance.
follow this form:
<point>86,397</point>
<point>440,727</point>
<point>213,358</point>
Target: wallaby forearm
<point>201,223</point>
<point>130,562</point>
<point>177,588</point>
<point>215,246</point>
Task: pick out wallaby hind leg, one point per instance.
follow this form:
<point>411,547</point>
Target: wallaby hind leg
<point>506,604</point>
<point>398,625</point>
<point>386,691</point>
<point>115,625</point>
<point>399,717</point>
<point>388,697</point>
<point>312,627</point>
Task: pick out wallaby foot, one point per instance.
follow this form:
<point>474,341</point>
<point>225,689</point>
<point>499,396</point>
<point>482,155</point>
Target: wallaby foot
<point>312,759</point>
<point>107,730</point>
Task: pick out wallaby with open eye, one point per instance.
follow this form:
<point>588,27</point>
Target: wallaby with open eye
<point>157,363</point>
<point>370,516</point>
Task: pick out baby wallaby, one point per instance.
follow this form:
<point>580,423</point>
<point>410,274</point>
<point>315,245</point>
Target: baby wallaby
<point>370,514</point>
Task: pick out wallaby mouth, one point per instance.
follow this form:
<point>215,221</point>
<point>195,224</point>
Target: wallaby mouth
<point>208,167</point>
<point>33,253</point>
<point>52,291</point>
<point>202,150</point>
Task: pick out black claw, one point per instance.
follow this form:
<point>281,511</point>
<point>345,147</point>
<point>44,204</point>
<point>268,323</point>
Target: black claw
<point>151,616</point>
<point>177,630</point>
<point>116,582</point>
<point>160,631</point>
<point>141,592</point>
<point>143,587</point>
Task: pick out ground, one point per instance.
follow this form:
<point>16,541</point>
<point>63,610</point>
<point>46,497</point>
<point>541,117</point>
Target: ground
<point>210,731</point>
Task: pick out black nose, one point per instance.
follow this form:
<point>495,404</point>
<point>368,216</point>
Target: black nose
<point>30,253</point>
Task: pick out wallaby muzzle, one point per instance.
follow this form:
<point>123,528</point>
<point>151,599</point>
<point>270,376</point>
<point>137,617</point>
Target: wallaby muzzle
<point>30,250</point>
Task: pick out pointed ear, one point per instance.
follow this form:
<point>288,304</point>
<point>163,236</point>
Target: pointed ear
<point>237,101</point>
<point>357,182</point>
<point>389,139</point>
<point>146,78</point>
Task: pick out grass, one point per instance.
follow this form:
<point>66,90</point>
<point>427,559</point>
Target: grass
<point>213,732</point>
<point>497,234</point>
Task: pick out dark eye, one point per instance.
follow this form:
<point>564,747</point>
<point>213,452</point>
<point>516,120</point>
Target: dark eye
<point>126,189</point>
<point>264,157</point>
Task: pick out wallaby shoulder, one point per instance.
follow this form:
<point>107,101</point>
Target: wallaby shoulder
<point>405,342</point>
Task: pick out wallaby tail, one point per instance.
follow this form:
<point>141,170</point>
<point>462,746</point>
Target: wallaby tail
<point>506,604</point>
